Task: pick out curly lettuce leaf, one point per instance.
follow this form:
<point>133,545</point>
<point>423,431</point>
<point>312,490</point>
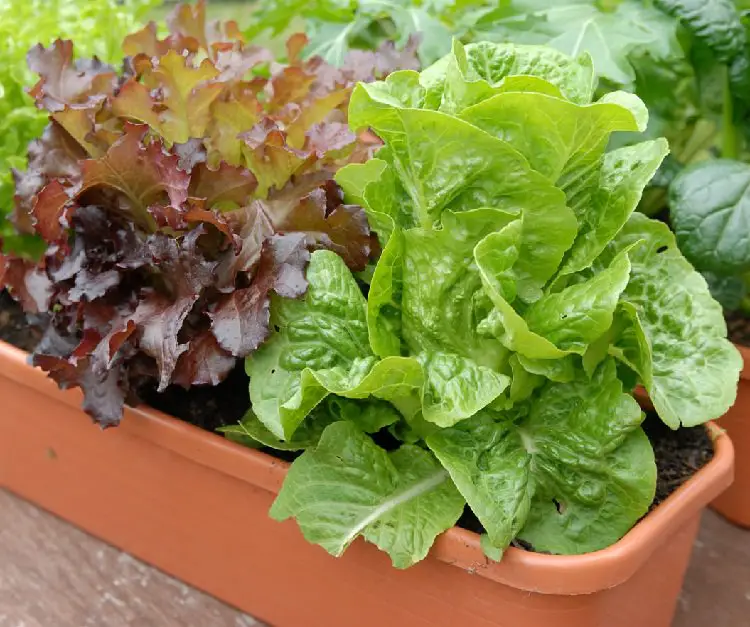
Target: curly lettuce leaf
<point>347,486</point>
<point>322,347</point>
<point>572,477</point>
<point>675,335</point>
<point>577,26</point>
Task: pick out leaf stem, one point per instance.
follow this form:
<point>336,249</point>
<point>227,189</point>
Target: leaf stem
<point>729,135</point>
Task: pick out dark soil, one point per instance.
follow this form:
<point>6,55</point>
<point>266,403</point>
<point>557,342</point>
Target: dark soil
<point>14,328</point>
<point>738,326</point>
<point>679,454</point>
<point>204,406</point>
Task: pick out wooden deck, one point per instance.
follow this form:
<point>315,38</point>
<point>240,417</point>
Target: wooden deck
<point>53,575</point>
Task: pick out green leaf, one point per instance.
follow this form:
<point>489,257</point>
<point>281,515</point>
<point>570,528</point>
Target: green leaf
<point>427,292</point>
<point>347,486</point>
<point>710,212</point>
<point>322,347</point>
<point>435,36</point>
<point>564,151</point>
<point>353,178</point>
<point>576,316</point>
<point>604,200</point>
<point>578,26</point>
<point>524,381</point>
<point>369,416</point>
<point>384,299</point>
<point>495,257</point>
<point>715,23</point>
<point>730,290</point>
<point>580,447</point>
<point>456,388</point>
<point>479,71</point>
<point>442,288</point>
<point>443,162</point>
<point>559,323</point>
<point>675,337</point>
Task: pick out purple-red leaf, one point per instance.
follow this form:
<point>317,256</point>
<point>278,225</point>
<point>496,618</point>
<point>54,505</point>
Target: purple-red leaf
<point>240,320</point>
<point>203,363</point>
<point>225,184</point>
<point>144,175</point>
<point>66,82</point>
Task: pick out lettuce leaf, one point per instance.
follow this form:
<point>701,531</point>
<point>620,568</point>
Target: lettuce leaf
<point>676,334</point>
<point>347,486</point>
<point>571,477</point>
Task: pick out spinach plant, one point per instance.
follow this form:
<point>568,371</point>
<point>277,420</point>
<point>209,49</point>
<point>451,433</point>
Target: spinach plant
<point>518,299</point>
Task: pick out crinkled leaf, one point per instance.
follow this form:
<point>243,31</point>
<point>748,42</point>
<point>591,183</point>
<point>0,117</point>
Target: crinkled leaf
<point>347,486</point>
<point>445,163</point>
<point>145,175</point>
<point>240,319</point>
<point>369,416</point>
<point>605,201</point>
<point>478,71</point>
<point>322,347</point>
<point>571,478</point>
<point>675,335</point>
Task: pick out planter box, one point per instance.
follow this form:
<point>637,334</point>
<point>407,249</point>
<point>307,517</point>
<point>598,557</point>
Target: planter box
<point>734,504</point>
<point>195,505</point>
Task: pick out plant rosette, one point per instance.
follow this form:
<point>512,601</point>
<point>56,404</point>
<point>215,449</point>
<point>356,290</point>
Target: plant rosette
<point>175,196</point>
<point>491,357</point>
<point>98,25</point>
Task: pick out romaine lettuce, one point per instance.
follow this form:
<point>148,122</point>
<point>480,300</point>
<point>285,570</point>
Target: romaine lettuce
<point>515,296</point>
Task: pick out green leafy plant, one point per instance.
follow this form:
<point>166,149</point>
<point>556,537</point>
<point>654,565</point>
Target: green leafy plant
<point>174,197</point>
<point>491,358</point>
<point>688,60</point>
<point>98,26</point>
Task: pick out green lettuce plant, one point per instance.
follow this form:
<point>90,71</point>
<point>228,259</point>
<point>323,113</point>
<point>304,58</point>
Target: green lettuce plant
<point>98,27</point>
<point>688,60</point>
<point>489,358</point>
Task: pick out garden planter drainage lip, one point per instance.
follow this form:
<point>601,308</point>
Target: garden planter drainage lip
<point>546,574</point>
<point>734,503</point>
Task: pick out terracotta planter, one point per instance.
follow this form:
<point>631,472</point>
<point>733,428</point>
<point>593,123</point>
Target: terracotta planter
<point>195,505</point>
<point>734,504</point>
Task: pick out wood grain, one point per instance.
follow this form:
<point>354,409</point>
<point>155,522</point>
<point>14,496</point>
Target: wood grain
<point>53,575</point>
